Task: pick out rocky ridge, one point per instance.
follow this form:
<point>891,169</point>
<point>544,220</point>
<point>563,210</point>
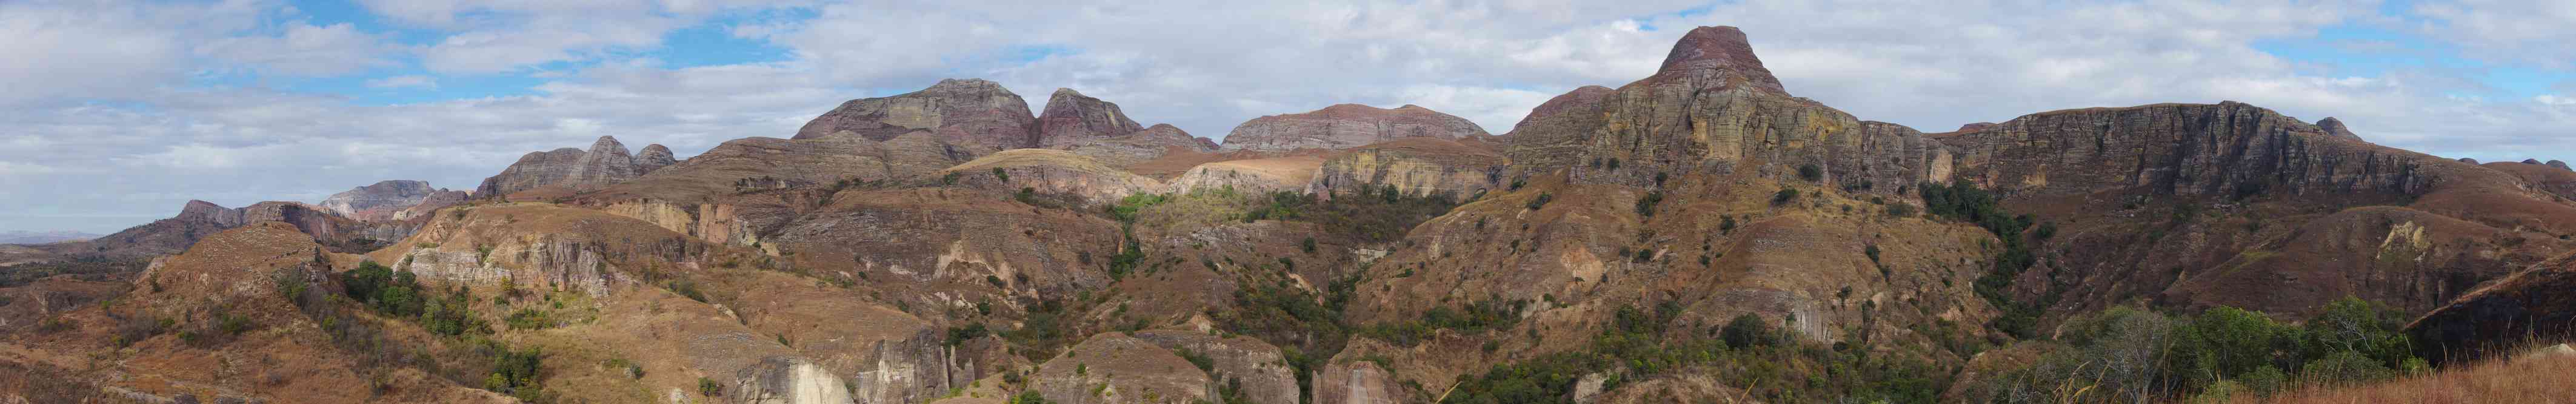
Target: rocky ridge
<point>605,163</point>
<point>1345,126</point>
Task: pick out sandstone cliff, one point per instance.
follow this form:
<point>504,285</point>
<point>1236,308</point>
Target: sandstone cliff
<point>1252,176</point>
<point>1416,166</point>
<point>963,111</point>
<point>1345,126</point>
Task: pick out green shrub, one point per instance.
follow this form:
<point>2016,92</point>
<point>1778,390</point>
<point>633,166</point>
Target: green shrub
<point>709,388</point>
<point>1541,201</point>
<point>1746,331</point>
<point>1783,197</point>
<point>1811,172</point>
<point>1646,204</point>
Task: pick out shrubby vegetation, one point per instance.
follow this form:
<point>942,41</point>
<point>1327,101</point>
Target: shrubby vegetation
<point>1643,343</point>
<point>2127,354</point>
<point>1965,202</point>
<point>400,295</point>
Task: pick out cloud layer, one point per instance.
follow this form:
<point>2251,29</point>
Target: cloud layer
<point>134,108</point>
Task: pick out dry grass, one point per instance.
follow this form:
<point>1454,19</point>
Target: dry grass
<point>2550,379</point>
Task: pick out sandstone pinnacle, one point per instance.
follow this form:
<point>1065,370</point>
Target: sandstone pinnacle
<point>1719,56</point>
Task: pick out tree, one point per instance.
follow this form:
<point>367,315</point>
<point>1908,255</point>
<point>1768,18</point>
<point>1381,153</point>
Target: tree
<point>1811,172</point>
<point>1746,331</point>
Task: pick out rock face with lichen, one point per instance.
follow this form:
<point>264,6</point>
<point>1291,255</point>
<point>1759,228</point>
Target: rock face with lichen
<point>963,111</point>
<point>1346,126</point>
<point>604,164</point>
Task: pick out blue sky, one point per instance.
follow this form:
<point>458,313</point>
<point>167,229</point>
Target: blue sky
<point>128,109</point>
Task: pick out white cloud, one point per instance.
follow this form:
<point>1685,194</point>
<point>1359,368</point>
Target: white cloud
<point>403,82</point>
<point>305,49</point>
<point>2512,31</point>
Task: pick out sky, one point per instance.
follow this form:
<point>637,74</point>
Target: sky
<point>115,113</point>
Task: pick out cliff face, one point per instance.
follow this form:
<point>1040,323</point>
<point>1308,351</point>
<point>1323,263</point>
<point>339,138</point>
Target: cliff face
<point>1049,173</point>
<point>963,111</point>
<point>1251,175</point>
<point>2182,149</point>
<point>2533,305</point>
<point>1346,126</point>
<point>1418,166</point>
<point>604,164</point>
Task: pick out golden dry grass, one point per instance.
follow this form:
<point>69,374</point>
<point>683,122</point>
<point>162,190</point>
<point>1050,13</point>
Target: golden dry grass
<point>2550,379</point>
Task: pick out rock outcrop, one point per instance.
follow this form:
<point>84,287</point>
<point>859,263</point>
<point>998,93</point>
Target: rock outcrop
<point>1115,368</point>
<point>1074,119</point>
<point>1253,175</point>
<point>604,164</point>
<point>2533,305</point>
<point>963,111</point>
<point>2468,160</point>
<point>1345,126</point>
<point>1043,173</point>
<point>389,200</point>
<point>2334,129</point>
<point>1261,370</point>
<point>1417,166</point>
<point>2562,165</point>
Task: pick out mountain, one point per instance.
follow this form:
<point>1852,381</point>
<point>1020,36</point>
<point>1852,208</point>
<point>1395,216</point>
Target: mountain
<point>1700,234</point>
<point>43,237</point>
<point>967,111</point>
<point>569,169</point>
<point>1345,126</point>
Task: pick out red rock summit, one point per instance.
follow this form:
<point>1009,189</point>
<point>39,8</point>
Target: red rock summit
<point>1719,56</point>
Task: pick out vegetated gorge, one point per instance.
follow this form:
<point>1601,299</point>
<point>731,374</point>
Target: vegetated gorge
<point>1698,235</point>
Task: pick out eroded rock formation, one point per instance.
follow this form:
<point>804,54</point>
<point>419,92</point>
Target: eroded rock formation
<point>604,164</point>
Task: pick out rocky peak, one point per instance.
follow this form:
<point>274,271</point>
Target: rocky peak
<point>1072,118</point>
<point>2468,160</point>
<point>2560,165</point>
<point>1719,56</point>
<point>209,212</point>
<point>654,157</point>
<point>1976,126</point>
<point>961,110</point>
<point>2335,128</point>
<point>1346,126</point>
<point>2531,161</point>
<point>606,162</point>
